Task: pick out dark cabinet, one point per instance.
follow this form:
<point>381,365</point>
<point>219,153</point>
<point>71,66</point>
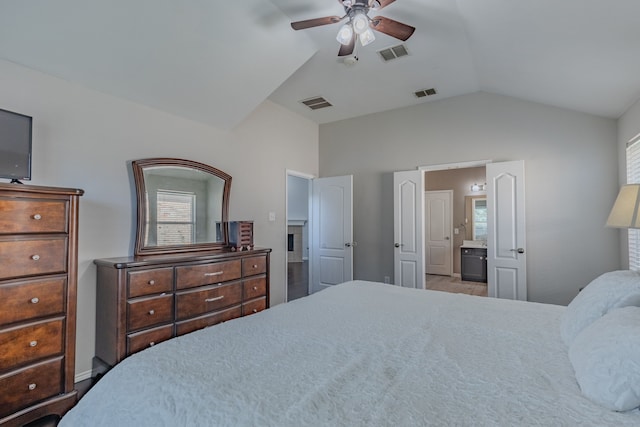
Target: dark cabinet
<point>474,264</point>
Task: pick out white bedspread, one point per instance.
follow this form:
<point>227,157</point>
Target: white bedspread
<point>357,354</point>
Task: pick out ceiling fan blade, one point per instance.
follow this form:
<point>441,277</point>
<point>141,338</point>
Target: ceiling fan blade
<point>392,28</point>
<point>383,3</point>
<point>347,49</point>
<point>316,22</point>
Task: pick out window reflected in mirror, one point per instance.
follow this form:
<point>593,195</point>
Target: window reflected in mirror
<point>476,216</point>
<point>479,224</point>
<point>182,206</point>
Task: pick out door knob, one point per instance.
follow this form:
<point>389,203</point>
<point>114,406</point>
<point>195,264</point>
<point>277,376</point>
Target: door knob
<point>519,250</point>
<point>397,245</point>
<point>348,245</point>
<point>446,238</point>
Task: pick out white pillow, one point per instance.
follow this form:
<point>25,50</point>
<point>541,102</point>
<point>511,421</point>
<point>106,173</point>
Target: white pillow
<point>606,359</point>
<point>606,292</point>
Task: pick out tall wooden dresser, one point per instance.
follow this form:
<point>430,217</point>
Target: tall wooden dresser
<point>144,300</point>
<point>38,282</point>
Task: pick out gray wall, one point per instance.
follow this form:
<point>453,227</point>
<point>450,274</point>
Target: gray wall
<point>571,174</point>
<point>85,139</point>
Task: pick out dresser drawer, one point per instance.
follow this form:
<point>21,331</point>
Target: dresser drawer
<point>148,338</point>
<point>186,326</point>
<point>206,274</point>
<point>255,287</point>
<point>29,385</point>
<point>254,265</point>
<point>206,299</point>
<point>22,300</point>
<point>254,306</point>
<point>146,282</point>
<point>18,216</point>
<point>31,257</point>
<point>145,312</point>
<point>24,344</point>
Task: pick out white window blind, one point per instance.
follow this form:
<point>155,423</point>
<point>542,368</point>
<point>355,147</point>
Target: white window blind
<point>633,177</point>
<point>176,220</point>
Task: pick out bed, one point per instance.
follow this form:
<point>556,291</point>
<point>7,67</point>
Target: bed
<point>359,354</point>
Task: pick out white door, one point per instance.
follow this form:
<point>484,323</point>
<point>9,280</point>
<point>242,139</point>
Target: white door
<point>408,222</point>
<point>438,211</point>
<point>332,231</point>
<point>506,243</point>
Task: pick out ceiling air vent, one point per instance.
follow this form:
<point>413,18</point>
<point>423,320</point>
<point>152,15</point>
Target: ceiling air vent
<point>425,92</point>
<point>316,103</point>
<point>393,52</point>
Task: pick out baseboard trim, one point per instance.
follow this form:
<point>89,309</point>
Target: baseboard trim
<point>83,376</point>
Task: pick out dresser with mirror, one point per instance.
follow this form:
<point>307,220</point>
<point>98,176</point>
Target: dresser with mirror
<point>184,275</point>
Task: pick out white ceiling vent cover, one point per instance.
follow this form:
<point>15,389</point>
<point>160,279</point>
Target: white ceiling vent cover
<point>394,52</point>
<point>316,103</point>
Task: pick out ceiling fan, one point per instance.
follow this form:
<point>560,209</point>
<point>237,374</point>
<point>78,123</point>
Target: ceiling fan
<point>359,25</point>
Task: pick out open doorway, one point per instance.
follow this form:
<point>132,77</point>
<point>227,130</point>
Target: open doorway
<point>505,224</point>
<point>467,227</point>
<point>298,221</point>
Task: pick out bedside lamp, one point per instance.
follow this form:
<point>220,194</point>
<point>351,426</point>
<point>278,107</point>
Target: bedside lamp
<point>624,213</point>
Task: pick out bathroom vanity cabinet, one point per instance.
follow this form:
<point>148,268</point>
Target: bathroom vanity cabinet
<point>474,264</point>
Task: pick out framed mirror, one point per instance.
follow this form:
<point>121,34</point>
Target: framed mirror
<point>183,206</point>
<point>476,214</point>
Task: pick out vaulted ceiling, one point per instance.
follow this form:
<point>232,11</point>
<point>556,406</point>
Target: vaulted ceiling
<point>215,61</point>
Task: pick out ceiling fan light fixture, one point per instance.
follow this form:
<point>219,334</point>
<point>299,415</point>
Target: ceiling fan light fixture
<point>345,34</point>
<point>374,5</point>
<point>360,22</point>
<point>367,37</point>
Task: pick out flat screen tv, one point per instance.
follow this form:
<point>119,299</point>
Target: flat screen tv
<point>15,146</point>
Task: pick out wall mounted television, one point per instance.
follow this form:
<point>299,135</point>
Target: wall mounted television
<point>15,146</point>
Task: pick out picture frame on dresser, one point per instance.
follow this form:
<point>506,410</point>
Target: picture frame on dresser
<point>180,278</point>
<point>38,291</point>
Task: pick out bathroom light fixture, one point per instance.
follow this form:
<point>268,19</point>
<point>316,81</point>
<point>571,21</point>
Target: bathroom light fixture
<point>478,187</point>
<point>624,213</point>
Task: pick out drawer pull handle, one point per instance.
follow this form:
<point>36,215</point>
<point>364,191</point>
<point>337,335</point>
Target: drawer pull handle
<point>33,343</point>
<point>35,257</point>
<point>255,288</point>
<point>255,265</point>
<point>152,343</point>
<point>35,300</point>
<point>217,273</point>
<point>152,282</point>
<point>152,312</point>
<point>37,217</point>
<point>32,386</point>
<point>255,310</point>
<point>214,299</point>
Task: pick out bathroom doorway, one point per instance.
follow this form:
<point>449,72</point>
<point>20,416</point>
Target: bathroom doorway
<point>464,184</point>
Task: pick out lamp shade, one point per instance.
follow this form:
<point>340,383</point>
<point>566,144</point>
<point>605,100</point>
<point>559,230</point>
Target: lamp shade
<point>345,34</point>
<point>624,213</point>
<point>360,22</point>
<point>367,37</point>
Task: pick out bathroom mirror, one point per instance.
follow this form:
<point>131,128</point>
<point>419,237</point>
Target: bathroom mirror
<point>476,215</point>
<point>182,206</point>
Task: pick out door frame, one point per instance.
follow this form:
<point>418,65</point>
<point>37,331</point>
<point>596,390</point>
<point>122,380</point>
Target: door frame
<point>447,166</point>
<point>309,178</point>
